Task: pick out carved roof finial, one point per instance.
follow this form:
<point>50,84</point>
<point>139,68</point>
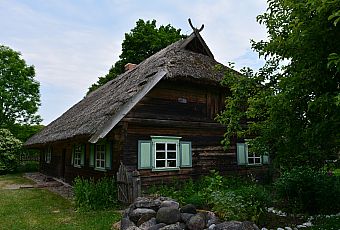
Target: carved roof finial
<point>194,28</point>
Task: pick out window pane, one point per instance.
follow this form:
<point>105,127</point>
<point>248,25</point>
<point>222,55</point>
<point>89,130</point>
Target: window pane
<point>257,160</point>
<point>160,155</point>
<point>171,155</point>
<point>160,164</point>
<point>251,160</point>
<point>160,146</point>
<point>172,147</point>
<point>171,163</point>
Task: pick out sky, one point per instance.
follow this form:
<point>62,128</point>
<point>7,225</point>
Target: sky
<point>73,42</point>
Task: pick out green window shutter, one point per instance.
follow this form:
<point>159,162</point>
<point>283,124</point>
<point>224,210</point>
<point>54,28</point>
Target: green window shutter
<point>108,155</point>
<point>72,156</point>
<point>82,156</point>
<point>145,158</point>
<point>265,159</point>
<point>185,154</point>
<point>92,155</point>
<point>241,154</point>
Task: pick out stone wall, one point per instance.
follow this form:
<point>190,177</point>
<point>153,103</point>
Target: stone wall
<point>163,213</point>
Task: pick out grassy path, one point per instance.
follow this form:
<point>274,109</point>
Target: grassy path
<point>42,209</point>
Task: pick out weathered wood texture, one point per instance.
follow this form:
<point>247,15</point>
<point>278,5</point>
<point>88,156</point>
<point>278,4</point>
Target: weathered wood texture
<point>128,185</point>
<point>172,108</point>
<point>70,172</point>
<point>186,110</point>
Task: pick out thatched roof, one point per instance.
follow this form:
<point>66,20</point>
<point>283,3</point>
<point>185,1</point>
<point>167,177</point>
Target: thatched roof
<point>95,115</point>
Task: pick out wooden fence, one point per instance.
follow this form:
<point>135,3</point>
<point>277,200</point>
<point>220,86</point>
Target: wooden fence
<point>128,185</point>
<point>27,156</point>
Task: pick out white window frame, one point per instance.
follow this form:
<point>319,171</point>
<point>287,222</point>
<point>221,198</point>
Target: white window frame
<point>48,155</point>
<point>77,155</point>
<point>166,159</point>
<point>255,158</point>
<point>165,140</point>
<point>99,162</point>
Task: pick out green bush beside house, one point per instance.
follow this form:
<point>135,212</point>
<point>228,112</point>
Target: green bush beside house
<point>10,148</point>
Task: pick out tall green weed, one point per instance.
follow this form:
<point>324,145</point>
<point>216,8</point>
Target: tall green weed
<point>94,195</point>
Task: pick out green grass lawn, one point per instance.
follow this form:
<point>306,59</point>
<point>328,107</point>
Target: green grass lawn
<point>13,179</point>
<point>42,209</point>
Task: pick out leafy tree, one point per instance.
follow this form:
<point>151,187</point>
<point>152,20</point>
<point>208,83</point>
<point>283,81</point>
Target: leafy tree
<point>143,41</point>
<point>19,91</point>
<point>290,107</point>
<point>24,131</point>
<point>9,150</point>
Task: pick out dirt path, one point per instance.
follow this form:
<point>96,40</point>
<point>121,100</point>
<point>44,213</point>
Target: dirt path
<point>42,181</point>
<point>37,180</point>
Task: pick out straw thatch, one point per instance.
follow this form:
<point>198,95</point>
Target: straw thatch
<point>95,115</point>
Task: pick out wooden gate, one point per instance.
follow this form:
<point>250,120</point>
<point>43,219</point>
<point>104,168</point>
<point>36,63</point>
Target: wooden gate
<point>128,185</point>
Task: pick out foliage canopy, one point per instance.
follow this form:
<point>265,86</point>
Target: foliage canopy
<point>144,40</point>
<point>9,150</point>
<point>290,107</point>
<point>19,91</point>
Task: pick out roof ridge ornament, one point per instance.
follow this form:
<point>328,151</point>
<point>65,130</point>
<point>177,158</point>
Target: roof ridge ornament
<point>194,28</point>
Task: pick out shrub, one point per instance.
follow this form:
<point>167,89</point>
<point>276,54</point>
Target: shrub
<point>243,203</point>
<point>230,198</point>
<point>9,150</point>
<point>306,190</point>
<point>93,195</point>
<point>28,166</point>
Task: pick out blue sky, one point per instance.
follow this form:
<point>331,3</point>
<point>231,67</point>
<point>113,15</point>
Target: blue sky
<point>71,43</point>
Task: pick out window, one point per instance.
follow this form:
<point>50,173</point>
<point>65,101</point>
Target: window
<point>100,156</point>
<point>77,155</point>
<point>244,157</point>
<point>164,153</point>
<point>48,155</point>
<point>254,159</point>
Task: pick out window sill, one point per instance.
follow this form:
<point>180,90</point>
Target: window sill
<point>252,165</point>
<point>165,169</point>
<point>77,166</point>
<point>100,169</point>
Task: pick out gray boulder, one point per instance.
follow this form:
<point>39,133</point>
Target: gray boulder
<point>126,223</point>
<point>211,218</point>
<point>146,217</point>
<point>148,224</point>
<point>228,225</point>
<point>185,217</point>
<point>145,202</point>
<point>133,228</point>
<point>157,226</point>
<point>177,226</point>
<point>138,213</point>
<point>189,208</point>
<point>168,215</point>
<point>247,225</point>
<point>170,203</point>
<point>196,222</point>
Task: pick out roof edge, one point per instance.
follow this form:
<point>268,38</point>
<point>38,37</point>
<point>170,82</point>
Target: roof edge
<point>111,123</point>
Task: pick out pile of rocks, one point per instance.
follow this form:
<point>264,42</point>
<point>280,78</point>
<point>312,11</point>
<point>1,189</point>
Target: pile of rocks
<point>165,214</point>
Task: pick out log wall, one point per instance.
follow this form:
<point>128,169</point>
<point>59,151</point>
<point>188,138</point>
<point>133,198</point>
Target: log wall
<point>186,110</point>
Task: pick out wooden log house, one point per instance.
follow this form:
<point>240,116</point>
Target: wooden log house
<point>157,118</point>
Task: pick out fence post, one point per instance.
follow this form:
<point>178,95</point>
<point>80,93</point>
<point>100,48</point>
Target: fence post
<point>136,185</point>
